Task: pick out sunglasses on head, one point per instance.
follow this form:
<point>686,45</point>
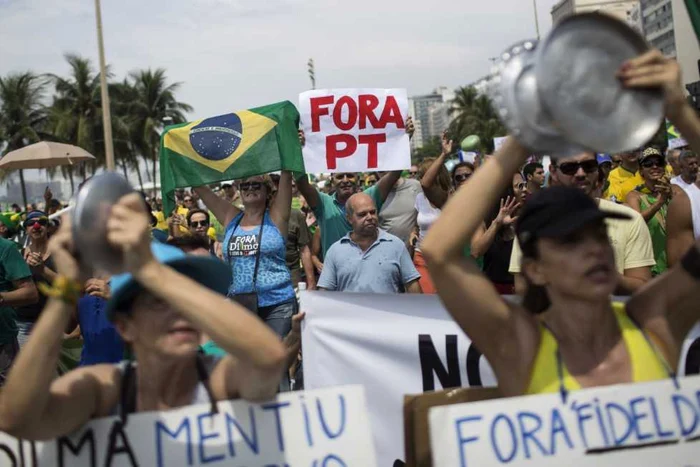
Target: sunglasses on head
<point>196,224</point>
<point>570,168</point>
<point>462,177</point>
<point>343,176</point>
<point>247,186</point>
<point>42,221</point>
<point>653,162</point>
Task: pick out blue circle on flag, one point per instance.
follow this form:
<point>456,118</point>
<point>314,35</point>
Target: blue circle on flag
<point>217,138</point>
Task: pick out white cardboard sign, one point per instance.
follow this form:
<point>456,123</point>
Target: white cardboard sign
<point>355,130</point>
<point>324,428</point>
<point>633,424</point>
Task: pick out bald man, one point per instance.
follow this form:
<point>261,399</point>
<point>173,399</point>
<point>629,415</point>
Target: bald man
<point>368,259</point>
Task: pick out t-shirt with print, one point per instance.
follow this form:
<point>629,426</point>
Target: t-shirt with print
<point>298,237</point>
<point>331,217</point>
<point>630,240</point>
<point>398,214</point>
<point>273,283</point>
<point>12,268</point>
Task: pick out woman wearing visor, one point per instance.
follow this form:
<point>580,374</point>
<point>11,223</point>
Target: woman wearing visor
<point>159,307</point>
<point>582,339</point>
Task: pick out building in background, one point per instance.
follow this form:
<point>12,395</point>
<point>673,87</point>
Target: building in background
<point>667,27</point>
<point>626,10</point>
<point>430,114</point>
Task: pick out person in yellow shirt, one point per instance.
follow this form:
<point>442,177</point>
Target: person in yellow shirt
<point>624,178</point>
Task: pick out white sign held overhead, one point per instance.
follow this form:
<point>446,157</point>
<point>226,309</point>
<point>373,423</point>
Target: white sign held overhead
<point>355,130</point>
<point>324,428</point>
<point>633,424</point>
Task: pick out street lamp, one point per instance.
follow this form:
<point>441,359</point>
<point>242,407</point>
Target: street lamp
<point>537,21</point>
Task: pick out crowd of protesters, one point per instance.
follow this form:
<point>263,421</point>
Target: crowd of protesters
<point>208,307</point>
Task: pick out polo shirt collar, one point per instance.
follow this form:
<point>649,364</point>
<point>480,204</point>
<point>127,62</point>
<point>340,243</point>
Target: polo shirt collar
<point>382,236</point>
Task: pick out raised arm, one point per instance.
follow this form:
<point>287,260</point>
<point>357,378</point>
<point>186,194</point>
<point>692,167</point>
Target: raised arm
<point>679,227</point>
<point>633,201</point>
<point>32,405</point>
<point>256,357</point>
<point>282,206</point>
<point>224,211</point>
<point>506,334</point>
<point>484,238</point>
<point>433,193</point>
<point>387,182</point>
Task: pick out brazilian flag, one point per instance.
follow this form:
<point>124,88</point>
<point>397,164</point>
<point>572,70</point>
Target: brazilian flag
<point>693,7</point>
<point>227,147</point>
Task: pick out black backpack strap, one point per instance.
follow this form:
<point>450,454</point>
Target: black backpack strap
<point>204,378</point>
<point>127,398</point>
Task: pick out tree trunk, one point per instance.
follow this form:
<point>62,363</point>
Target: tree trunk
<point>126,175</point>
<point>138,174</point>
<point>72,182</point>
<point>24,189</point>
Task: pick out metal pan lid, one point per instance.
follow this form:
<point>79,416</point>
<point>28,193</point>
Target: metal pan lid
<point>513,91</point>
<point>577,84</point>
<point>92,208</point>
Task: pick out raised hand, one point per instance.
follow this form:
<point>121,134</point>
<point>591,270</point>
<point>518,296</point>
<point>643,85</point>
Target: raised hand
<point>97,288</point>
<point>505,213</point>
<point>447,144</point>
<point>128,229</point>
<point>410,127</point>
<point>651,70</point>
<point>61,249</point>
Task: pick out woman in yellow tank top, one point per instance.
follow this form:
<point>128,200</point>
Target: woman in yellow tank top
<point>580,339</point>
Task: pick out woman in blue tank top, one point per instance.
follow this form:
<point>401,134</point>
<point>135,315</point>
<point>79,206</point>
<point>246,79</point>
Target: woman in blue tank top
<point>258,235</point>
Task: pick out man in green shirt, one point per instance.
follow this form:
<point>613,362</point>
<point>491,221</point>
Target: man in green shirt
<point>16,289</point>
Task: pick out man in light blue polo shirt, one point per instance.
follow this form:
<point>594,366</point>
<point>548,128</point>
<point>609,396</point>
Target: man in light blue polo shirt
<point>368,259</point>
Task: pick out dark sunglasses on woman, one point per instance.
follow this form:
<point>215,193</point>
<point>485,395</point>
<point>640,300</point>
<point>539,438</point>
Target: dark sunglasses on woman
<point>248,186</point>
<point>462,177</point>
<point>649,163</point>
<point>570,168</point>
<point>42,221</point>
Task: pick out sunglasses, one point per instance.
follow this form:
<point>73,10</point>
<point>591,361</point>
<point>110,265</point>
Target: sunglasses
<point>188,200</point>
<point>196,224</point>
<point>462,177</point>
<point>248,186</point>
<point>42,221</point>
<point>339,177</point>
<point>412,173</point>
<point>649,163</point>
<point>570,168</point>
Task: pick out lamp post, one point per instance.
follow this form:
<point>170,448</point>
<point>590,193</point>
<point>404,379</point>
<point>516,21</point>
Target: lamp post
<point>106,116</point>
<point>537,21</point>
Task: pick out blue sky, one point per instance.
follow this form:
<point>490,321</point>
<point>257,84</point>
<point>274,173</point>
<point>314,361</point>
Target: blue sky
<point>236,54</point>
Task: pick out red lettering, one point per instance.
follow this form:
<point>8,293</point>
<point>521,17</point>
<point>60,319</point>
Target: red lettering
<point>372,142</point>
<point>332,151</point>
<point>317,110</point>
<point>391,114</point>
<point>368,102</point>
<point>349,102</point>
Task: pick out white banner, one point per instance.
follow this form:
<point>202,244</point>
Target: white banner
<point>395,345</point>
<point>391,344</point>
<point>594,427</point>
<point>355,130</point>
<point>324,428</point>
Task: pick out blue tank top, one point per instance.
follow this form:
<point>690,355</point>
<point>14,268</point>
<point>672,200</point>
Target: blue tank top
<point>274,282</point>
<point>101,342</point>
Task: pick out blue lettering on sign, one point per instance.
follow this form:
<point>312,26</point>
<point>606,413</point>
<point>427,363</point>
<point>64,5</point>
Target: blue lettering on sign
<point>558,427</point>
<point>205,436</point>
<point>336,461</point>
<point>677,400</point>
<point>513,438</point>
<point>461,440</point>
<point>250,439</point>
<point>307,421</point>
<point>612,407</point>
<point>326,430</point>
<point>581,419</point>
<point>637,417</point>
<point>275,407</point>
<point>528,434</point>
<point>655,415</point>
<point>161,427</point>
<point>601,423</point>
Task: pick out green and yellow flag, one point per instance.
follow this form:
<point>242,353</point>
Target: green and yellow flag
<point>227,147</point>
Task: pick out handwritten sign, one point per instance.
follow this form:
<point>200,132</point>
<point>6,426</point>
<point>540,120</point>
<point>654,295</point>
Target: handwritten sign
<point>635,424</point>
<point>355,130</point>
<point>323,428</point>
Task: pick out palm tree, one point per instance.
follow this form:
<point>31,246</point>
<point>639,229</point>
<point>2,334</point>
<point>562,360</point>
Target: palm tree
<point>156,103</point>
<point>475,116</point>
<point>22,113</point>
<point>76,113</point>
<point>124,127</point>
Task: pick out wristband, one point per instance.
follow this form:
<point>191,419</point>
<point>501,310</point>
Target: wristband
<point>65,289</point>
<point>691,262</point>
